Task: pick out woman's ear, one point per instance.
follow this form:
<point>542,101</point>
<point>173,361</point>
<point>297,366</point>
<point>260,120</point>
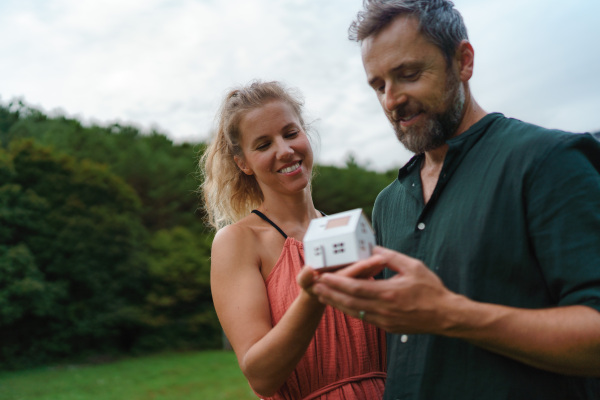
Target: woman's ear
<point>242,165</point>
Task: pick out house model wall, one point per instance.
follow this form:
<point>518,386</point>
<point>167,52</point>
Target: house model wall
<point>338,240</point>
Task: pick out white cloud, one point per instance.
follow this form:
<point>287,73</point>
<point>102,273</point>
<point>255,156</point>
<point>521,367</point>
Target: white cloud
<point>168,63</point>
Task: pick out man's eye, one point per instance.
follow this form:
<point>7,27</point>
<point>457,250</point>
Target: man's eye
<point>412,76</point>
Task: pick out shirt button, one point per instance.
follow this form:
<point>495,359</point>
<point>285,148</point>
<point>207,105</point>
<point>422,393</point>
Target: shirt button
<point>404,338</point>
<point>421,226</point>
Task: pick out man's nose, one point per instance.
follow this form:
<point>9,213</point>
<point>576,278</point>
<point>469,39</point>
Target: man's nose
<point>394,97</point>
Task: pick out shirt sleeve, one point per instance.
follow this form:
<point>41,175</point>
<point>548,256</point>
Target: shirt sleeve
<point>563,214</point>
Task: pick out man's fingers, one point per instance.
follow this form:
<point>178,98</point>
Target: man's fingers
<point>394,260</point>
<point>364,268</point>
<point>348,304</point>
<point>366,289</point>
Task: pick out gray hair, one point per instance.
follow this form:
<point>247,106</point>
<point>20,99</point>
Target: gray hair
<point>438,20</point>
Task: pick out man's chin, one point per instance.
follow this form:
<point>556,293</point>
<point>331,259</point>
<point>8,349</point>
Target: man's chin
<point>420,145</point>
<point>407,140</point>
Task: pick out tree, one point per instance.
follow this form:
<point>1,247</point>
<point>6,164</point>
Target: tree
<point>102,248</point>
<point>71,260</point>
<point>160,172</point>
<point>179,303</point>
<point>339,189</point>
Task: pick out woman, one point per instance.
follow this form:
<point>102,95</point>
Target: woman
<point>257,174</point>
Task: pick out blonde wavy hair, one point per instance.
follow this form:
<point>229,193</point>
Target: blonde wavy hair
<point>229,194</point>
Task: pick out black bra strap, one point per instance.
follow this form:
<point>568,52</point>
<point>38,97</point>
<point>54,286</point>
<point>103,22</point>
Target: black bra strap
<point>263,216</point>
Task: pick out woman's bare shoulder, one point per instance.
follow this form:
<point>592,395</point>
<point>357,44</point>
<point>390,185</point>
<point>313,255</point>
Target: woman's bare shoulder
<point>243,231</point>
<point>236,244</point>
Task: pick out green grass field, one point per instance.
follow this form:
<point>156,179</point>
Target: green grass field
<point>211,375</point>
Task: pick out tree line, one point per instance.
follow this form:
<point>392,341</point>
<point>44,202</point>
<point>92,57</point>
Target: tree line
<point>103,245</point>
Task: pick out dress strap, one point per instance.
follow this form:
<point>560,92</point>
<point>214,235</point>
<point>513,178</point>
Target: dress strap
<point>263,216</point>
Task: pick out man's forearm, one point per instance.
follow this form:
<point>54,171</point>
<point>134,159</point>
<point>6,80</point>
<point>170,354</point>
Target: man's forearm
<point>564,340</point>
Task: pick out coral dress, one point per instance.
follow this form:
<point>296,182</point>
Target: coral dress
<point>346,357</point>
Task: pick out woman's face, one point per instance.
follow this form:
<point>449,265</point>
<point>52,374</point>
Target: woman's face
<point>275,148</point>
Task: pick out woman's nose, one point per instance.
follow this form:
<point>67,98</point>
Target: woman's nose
<point>284,150</point>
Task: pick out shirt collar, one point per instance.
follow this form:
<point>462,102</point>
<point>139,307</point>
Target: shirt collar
<point>458,146</point>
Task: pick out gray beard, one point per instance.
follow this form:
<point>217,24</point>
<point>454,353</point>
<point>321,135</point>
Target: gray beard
<point>438,128</point>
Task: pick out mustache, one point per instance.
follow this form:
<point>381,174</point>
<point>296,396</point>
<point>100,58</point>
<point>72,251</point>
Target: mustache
<point>402,112</point>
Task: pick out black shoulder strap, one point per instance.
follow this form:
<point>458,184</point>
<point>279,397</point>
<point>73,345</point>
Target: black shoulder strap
<point>263,216</point>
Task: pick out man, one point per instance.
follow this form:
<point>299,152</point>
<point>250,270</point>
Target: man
<point>490,235</point>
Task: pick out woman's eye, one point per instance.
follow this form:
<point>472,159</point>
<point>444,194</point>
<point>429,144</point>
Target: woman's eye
<point>291,134</point>
<point>262,146</point>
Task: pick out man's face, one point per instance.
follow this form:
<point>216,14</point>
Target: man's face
<point>422,97</point>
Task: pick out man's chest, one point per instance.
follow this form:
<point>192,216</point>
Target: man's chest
<point>472,223</point>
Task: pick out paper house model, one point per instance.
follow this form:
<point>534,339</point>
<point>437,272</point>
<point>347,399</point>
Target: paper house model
<point>338,240</point>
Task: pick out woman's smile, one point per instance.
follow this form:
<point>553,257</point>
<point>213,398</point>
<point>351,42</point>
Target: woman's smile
<point>291,168</point>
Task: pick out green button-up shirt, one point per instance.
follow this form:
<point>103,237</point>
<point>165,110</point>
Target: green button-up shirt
<point>513,220</point>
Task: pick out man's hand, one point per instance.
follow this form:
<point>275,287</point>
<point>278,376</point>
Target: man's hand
<point>413,301</point>
<point>561,339</point>
<point>360,270</point>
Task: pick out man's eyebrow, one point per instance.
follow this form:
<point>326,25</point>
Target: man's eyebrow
<point>400,67</point>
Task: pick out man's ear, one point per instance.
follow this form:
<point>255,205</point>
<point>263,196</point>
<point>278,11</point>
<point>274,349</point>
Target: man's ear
<point>242,165</point>
<point>465,56</point>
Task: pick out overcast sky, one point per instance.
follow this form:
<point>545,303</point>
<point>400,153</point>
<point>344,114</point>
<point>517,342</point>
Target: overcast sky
<point>167,63</point>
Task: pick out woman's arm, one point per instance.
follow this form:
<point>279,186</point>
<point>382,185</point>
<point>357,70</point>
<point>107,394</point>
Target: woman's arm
<point>267,355</point>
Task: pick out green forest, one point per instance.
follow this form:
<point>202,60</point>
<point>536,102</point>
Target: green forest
<point>104,250</point>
